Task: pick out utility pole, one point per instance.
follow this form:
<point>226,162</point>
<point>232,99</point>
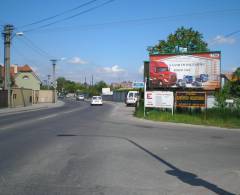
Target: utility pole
<point>7,34</point>
<point>92,80</point>
<point>48,81</point>
<point>54,79</point>
<point>85,82</point>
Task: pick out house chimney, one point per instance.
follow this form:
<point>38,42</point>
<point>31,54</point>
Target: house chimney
<point>15,68</point>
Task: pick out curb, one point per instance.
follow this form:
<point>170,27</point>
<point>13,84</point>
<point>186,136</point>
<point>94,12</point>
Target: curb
<point>30,108</point>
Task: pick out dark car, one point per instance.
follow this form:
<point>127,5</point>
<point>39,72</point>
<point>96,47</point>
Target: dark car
<point>181,83</point>
<point>204,77</point>
<point>197,84</point>
<point>188,79</point>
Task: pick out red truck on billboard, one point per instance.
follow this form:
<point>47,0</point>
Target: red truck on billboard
<point>161,76</point>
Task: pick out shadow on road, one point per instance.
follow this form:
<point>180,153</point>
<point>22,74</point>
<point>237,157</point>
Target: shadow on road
<point>184,176</point>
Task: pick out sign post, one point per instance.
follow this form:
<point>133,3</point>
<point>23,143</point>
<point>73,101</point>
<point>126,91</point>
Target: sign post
<point>144,109</point>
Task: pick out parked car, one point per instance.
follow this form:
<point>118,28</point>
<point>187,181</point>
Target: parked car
<point>61,96</point>
<point>204,77</point>
<point>132,98</point>
<point>80,98</point>
<point>96,100</point>
<point>181,83</point>
<point>197,84</point>
<point>188,79</point>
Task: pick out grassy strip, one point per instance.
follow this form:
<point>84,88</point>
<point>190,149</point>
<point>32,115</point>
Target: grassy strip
<point>213,117</point>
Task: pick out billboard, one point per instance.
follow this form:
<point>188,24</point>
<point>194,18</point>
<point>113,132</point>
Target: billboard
<point>159,99</point>
<point>195,70</point>
<point>190,99</point>
<point>106,91</point>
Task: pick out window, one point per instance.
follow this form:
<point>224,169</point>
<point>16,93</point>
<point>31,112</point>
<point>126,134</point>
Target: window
<point>161,69</point>
<point>25,77</point>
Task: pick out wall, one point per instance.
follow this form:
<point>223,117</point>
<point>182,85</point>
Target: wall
<point>21,97</point>
<point>45,96</point>
<point>107,97</point>
<point>119,96</point>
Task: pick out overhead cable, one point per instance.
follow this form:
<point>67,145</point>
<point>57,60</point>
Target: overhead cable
<point>70,17</point>
<point>57,15</point>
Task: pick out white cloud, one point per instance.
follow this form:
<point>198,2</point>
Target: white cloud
<point>77,60</point>
<point>141,69</point>
<point>220,39</point>
<point>113,69</point>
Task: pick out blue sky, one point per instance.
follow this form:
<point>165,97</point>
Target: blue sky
<point>96,43</point>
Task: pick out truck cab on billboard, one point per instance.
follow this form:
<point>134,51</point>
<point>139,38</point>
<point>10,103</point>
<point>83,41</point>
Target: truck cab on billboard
<point>161,76</point>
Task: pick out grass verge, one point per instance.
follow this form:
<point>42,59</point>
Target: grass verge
<point>212,117</point>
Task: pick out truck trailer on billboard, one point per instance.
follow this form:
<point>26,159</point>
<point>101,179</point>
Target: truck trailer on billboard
<point>195,70</point>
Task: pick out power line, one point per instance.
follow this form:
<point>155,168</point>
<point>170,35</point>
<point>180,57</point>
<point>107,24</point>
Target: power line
<point>143,20</point>
<point>22,55</point>
<point>59,14</point>
<point>72,16</point>
<point>232,33</point>
<point>35,48</point>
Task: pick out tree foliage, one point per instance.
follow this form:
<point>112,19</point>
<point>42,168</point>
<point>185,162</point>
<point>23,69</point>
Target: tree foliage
<point>67,86</point>
<point>230,90</point>
<point>183,40</point>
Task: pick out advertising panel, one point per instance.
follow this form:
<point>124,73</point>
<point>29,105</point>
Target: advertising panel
<point>197,70</point>
<point>190,99</point>
<point>159,99</point>
<point>106,91</point>
<point>138,85</point>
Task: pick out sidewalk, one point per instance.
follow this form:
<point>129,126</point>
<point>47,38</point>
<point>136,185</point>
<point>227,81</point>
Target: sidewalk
<point>4,111</point>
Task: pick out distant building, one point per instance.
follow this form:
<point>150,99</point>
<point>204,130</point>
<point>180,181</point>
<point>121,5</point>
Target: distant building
<point>124,84</point>
<point>22,77</point>
<point>227,77</point>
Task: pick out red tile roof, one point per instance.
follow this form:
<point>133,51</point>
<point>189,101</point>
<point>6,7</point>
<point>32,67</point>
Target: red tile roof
<point>24,68</point>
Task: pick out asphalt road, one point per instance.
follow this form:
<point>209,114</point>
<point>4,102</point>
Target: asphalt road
<point>103,150</point>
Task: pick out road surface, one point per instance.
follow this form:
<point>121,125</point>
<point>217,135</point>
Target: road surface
<point>103,150</point>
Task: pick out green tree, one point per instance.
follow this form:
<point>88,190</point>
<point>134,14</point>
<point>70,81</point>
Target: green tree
<point>236,74</point>
<point>235,84</point>
<point>61,81</point>
<point>222,95</point>
<point>182,38</point>
<point>99,85</point>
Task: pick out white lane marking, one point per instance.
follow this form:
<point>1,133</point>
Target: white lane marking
<point>48,116</point>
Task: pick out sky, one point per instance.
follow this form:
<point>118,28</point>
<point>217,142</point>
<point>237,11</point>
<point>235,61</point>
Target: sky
<point>108,39</point>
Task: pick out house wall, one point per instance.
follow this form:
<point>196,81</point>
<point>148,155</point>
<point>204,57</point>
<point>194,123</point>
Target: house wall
<point>21,97</point>
<point>27,80</point>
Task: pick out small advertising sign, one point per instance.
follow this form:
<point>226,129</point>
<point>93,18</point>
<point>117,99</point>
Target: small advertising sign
<point>191,99</point>
<point>159,99</point>
<point>138,85</point>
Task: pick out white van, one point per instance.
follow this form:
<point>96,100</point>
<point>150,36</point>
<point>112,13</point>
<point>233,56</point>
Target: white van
<point>132,98</point>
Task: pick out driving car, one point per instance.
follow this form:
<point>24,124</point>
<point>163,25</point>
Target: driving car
<point>132,98</point>
<point>80,98</point>
<point>96,100</point>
